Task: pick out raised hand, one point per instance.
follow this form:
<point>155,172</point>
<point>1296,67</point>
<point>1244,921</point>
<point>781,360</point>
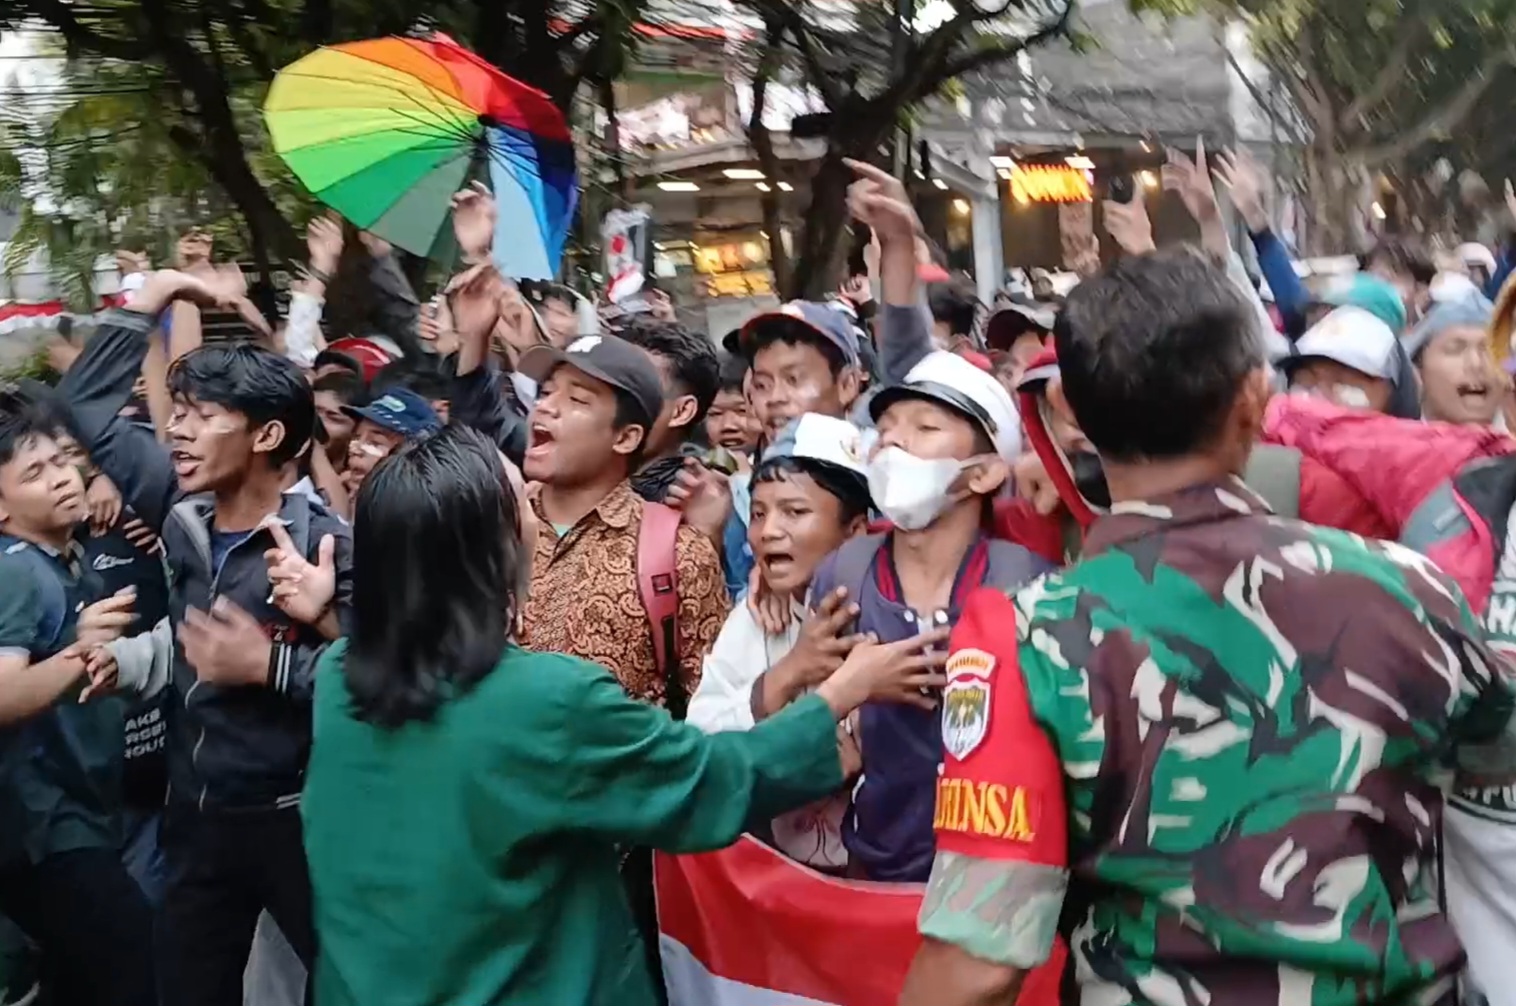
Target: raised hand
<point>1191,181</point>
<point>1244,184</point>
<point>880,201</point>
<point>323,244</point>
<point>474,216</point>
<point>1129,226</point>
<point>301,590</point>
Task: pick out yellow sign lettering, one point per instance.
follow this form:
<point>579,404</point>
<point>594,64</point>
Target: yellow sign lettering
<point>1050,183</point>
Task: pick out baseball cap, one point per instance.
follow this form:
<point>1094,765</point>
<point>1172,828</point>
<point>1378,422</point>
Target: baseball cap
<point>1372,294</point>
<point>1352,336</point>
<point>951,380</point>
<point>814,437</point>
<point>826,323</point>
<point>399,410</point>
<point>1473,253</point>
<point>606,358</point>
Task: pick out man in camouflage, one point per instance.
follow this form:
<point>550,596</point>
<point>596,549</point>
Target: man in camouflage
<point>1217,744</point>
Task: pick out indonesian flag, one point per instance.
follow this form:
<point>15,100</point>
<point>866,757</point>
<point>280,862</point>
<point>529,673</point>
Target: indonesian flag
<point>747,927</point>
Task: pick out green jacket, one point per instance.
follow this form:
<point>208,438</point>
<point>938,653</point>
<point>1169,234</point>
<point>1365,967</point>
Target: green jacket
<point>473,859</point>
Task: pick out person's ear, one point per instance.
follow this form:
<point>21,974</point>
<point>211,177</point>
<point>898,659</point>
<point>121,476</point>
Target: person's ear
<point>628,439</point>
<point>268,438</point>
<point>986,474</point>
<point>1245,425</point>
<point>858,525</point>
<point>684,411</point>
<point>849,384</point>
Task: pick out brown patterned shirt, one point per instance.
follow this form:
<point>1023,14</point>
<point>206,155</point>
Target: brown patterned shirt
<point>585,602</point>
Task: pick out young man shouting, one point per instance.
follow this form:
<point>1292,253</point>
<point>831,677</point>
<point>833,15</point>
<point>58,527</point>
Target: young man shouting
<point>240,729</point>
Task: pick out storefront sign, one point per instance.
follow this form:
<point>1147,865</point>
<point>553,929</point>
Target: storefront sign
<point>1050,183</point>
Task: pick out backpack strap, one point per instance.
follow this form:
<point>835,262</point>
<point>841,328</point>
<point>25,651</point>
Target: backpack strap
<point>850,568</point>
<point>658,583</point>
<point>1273,472</point>
<point>54,598</point>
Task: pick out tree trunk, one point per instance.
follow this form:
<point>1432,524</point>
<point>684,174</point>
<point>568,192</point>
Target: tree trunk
<point>762,142</point>
<point>818,267</point>
<point>612,141</point>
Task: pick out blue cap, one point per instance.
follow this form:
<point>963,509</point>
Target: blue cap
<point>823,321</point>
<point>1473,311</point>
<point>399,410</point>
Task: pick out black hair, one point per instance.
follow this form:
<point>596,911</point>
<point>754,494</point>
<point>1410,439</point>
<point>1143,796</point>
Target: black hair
<point>350,388</point>
<point>256,382</point>
<point>734,370</point>
<point>426,378</point>
<point>793,332</point>
<point>437,574</point>
<point>850,488</point>
<point>338,358</point>
<point>955,304</point>
<point>19,426</point>
<point>1152,353</point>
<point>692,358</point>
<point>629,412</point>
<point>1403,256</point>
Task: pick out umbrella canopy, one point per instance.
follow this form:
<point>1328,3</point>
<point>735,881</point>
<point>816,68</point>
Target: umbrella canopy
<point>385,131</point>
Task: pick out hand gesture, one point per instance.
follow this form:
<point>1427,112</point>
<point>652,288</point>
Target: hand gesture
<point>225,646</point>
<point>301,590</point>
<point>1034,484</point>
<point>323,243</point>
<point>879,200</point>
<point>903,672</point>
<point>141,536</point>
<point>104,501</point>
<point>857,289</point>
<point>106,620</point>
<point>770,610</point>
<point>1129,226</point>
<point>437,326</point>
<point>1191,180</point>
<point>1244,184</point>
<point>824,642</point>
<point>476,297</point>
<point>704,496</point>
<point>100,665</point>
<point>474,216</point>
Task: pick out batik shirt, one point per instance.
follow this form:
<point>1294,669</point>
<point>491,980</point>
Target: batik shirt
<point>1230,735</point>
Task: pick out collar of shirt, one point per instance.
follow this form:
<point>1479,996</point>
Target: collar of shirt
<point>971,571</point>
<point>618,509</point>
<point>1205,503</point>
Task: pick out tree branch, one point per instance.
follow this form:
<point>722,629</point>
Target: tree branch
<point>1262,100</point>
<point>989,55</point>
<point>1390,76</point>
<point>1441,119</point>
<point>789,19</point>
<point>81,36</point>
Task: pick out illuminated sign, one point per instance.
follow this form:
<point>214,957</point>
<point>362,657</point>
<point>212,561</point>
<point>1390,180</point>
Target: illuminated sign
<point>1050,183</point>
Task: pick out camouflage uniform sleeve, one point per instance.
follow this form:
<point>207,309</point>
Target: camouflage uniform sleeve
<point>998,881</point>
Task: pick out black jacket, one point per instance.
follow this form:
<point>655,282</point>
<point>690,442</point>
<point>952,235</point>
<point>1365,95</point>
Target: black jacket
<point>228,748</point>
<point>485,400</point>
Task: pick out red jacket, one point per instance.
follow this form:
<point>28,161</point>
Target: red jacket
<point>1422,481</point>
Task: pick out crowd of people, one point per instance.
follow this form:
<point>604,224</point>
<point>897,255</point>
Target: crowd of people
<point>1165,621</point>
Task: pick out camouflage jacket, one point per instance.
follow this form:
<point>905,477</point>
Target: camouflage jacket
<point>1254,721</point>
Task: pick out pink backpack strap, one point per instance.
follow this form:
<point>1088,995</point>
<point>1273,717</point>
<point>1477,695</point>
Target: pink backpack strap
<point>658,583</point>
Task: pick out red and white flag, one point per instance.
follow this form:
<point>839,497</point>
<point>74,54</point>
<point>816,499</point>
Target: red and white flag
<point>747,927</point>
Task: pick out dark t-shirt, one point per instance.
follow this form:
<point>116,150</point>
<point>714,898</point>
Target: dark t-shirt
<point>60,770</point>
<point>120,564</point>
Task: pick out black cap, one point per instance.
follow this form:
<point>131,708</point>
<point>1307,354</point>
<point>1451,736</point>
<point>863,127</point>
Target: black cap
<point>605,358</point>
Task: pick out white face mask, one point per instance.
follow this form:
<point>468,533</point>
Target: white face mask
<point>911,492</point>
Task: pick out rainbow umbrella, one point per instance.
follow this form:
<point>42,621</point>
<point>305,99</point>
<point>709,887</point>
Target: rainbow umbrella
<point>385,131</point>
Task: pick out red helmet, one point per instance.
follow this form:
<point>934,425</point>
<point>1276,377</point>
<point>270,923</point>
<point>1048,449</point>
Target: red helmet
<point>369,354</point>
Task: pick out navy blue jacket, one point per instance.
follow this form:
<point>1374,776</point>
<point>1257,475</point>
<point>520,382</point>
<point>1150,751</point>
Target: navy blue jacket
<point>242,747</point>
